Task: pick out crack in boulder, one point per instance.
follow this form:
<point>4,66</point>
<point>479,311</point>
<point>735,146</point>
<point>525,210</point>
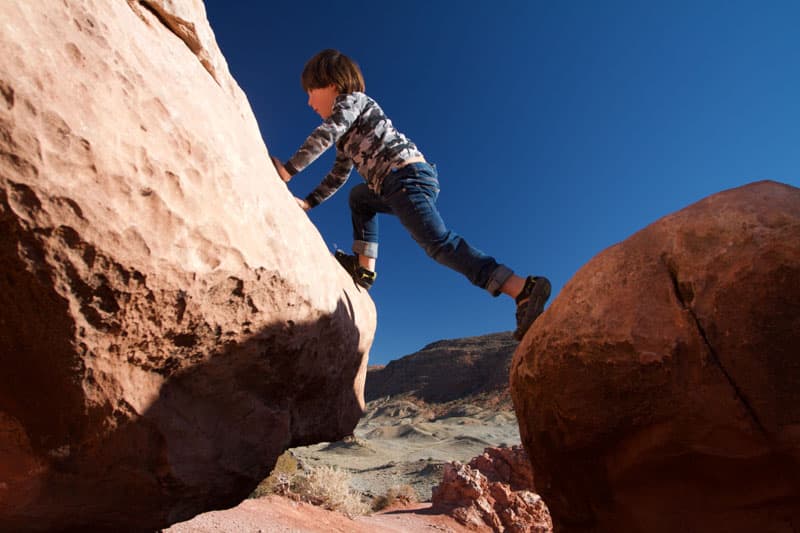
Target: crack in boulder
<point>185,31</point>
<point>685,295</point>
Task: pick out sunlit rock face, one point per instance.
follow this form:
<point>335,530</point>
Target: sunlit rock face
<point>170,320</point>
<point>661,390</point>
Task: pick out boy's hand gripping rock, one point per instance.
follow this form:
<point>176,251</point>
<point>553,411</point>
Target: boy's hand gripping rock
<point>282,172</point>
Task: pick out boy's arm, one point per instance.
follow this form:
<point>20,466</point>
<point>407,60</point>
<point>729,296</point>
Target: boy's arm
<point>332,182</point>
<point>346,110</point>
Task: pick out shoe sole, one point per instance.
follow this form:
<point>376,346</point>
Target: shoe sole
<point>539,296</point>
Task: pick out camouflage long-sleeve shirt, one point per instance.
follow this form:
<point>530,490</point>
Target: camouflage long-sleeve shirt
<point>364,136</point>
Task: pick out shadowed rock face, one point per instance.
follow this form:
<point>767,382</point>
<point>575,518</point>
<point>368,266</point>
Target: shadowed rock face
<point>447,370</point>
<point>170,321</point>
<point>661,390</point>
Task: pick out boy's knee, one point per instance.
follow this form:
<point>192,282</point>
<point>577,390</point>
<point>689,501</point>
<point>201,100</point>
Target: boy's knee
<point>357,194</point>
<point>440,250</point>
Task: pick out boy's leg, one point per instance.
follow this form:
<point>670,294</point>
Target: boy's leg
<point>367,262</point>
<point>364,208</point>
<point>415,207</point>
<point>412,198</point>
<point>413,201</point>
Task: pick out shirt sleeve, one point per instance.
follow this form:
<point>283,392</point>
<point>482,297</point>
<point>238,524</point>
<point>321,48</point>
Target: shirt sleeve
<point>333,181</point>
<point>346,109</point>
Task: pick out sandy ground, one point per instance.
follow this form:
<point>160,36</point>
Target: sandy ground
<point>401,442</point>
<point>275,514</point>
<point>398,442</point>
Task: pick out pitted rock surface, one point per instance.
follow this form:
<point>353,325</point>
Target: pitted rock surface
<point>170,320</point>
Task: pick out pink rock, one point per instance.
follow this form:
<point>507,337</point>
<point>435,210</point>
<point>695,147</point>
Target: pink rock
<point>510,466</point>
<point>469,497</point>
<point>170,320</point>
<point>661,389</point>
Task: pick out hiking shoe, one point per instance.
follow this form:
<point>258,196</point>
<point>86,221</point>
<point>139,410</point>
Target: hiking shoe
<point>363,277</point>
<point>530,303</point>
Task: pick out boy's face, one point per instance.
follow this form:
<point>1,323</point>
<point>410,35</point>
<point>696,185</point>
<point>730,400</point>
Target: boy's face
<point>321,100</point>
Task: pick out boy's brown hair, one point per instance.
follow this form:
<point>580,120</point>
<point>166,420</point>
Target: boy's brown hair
<point>331,67</point>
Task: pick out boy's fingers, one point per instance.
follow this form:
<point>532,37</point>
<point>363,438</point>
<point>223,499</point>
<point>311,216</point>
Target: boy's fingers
<point>281,169</point>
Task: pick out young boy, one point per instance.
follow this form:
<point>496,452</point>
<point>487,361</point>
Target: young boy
<point>399,181</point>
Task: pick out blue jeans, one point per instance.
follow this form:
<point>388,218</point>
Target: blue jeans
<point>410,194</point>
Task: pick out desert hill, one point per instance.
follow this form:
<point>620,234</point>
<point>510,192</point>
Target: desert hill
<point>447,402</point>
<point>447,370</point>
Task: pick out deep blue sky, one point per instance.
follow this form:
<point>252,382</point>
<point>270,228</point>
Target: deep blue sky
<point>558,128</point>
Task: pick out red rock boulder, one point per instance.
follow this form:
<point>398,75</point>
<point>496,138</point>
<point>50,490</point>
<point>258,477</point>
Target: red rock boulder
<point>660,392</point>
<point>170,320</point>
<point>488,494</point>
<point>506,465</point>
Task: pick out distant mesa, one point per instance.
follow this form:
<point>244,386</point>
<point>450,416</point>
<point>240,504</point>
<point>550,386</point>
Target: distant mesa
<point>447,370</point>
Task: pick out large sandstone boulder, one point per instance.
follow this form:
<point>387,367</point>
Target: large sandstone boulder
<point>661,390</point>
<point>170,320</point>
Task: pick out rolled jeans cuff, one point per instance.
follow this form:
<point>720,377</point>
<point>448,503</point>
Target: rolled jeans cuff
<point>367,249</point>
<point>498,278</point>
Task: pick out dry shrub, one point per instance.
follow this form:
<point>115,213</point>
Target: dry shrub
<point>323,486</point>
<point>279,481</point>
<point>404,494</point>
<point>329,488</point>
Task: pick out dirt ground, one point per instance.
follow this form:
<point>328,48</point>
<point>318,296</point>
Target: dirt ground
<point>401,442</point>
<point>275,514</point>
<point>398,442</point>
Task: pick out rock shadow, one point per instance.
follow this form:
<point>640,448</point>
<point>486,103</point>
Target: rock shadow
<point>213,432</point>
